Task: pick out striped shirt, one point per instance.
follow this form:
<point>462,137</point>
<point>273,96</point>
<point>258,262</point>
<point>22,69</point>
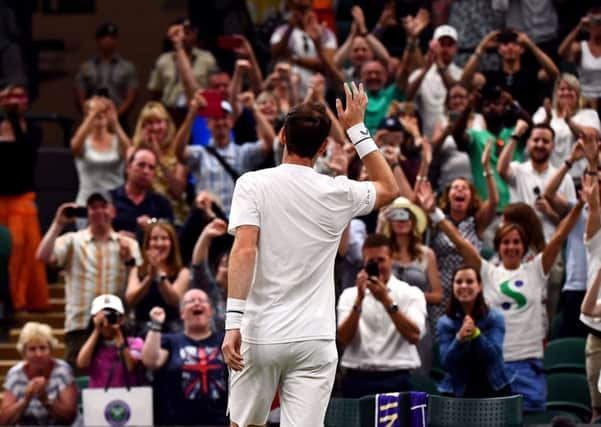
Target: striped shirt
<point>36,413</point>
<point>92,268</point>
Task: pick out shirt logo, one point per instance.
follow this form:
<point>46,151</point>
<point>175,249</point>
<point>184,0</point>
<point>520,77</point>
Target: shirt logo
<point>517,298</point>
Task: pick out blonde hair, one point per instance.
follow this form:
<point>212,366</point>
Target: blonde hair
<point>155,109</point>
<point>574,84</point>
<point>35,331</point>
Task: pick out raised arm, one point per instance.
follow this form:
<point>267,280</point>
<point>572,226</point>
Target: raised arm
<point>590,187</point>
<point>543,59</point>
<point>342,53</point>
<point>413,85</point>
<point>488,209</point>
<point>113,121</point>
<point>182,62</point>
<point>153,356</point>
<point>561,233</point>
<point>182,136</point>
<point>558,201</point>
<point>377,167</point>
<point>427,201</point>
<point>45,251</point>
<point>213,229</point>
<point>569,49</point>
<point>589,305</point>
<point>95,106</point>
<point>488,42</point>
<point>504,162</point>
<point>255,76</point>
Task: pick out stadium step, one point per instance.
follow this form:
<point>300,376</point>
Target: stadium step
<point>55,320</point>
<point>56,290</point>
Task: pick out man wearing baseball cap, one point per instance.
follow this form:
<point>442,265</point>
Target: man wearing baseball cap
<point>429,85</point>
<point>96,261</point>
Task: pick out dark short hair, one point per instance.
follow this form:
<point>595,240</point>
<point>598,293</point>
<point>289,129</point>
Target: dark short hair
<point>480,308</point>
<point>544,126</point>
<point>377,240</point>
<point>506,229</point>
<point>306,126</point>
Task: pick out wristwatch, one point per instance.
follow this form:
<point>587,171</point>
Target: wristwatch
<point>392,308</point>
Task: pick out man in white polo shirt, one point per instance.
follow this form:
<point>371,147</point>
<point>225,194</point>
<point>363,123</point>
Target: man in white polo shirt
<point>287,222</point>
<point>380,321</point>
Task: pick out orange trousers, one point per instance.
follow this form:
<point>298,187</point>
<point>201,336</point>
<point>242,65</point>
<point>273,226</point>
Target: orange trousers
<point>28,284</point>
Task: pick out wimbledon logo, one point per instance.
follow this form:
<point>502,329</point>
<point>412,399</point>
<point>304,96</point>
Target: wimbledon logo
<point>519,298</point>
<point>117,413</point>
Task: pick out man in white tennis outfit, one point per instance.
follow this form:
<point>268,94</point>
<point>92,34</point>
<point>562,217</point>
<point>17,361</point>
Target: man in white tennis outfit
<point>287,222</point>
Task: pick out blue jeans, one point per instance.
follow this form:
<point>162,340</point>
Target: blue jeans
<point>530,383</point>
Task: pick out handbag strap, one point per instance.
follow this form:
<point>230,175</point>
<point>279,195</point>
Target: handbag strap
<point>230,170</point>
<point>112,370</point>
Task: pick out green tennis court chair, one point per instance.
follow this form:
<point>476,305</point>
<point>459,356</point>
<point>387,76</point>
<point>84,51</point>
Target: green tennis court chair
<point>464,412</point>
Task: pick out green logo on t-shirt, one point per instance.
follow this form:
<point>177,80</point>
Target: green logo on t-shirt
<point>519,298</point>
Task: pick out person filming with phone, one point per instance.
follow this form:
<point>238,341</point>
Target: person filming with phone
<point>78,253</point>
<point>383,307</point>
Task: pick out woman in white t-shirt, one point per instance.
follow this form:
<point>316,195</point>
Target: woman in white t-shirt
<point>564,115</point>
<point>99,147</point>
<point>515,288</point>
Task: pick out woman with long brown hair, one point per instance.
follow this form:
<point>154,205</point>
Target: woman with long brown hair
<point>161,280</point>
<point>461,204</point>
<point>470,338</point>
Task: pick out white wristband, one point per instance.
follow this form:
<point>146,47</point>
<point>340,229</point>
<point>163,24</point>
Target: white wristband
<point>361,139</point>
<point>437,216</point>
<point>233,313</point>
<point>233,321</point>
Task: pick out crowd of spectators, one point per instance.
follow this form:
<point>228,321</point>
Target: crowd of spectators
<point>488,120</point>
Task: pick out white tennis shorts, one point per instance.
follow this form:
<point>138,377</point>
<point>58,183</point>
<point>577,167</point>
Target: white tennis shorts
<point>301,372</point>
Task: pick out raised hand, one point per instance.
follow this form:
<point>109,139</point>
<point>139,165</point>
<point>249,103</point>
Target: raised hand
<point>577,152</point>
<point>359,19</point>
<point>215,228</point>
<point>425,196</point>
<point>388,16</point>
<point>243,65</point>
<point>486,155</point>
<point>124,248</point>
<point>61,217</point>
<point>198,101</point>
<point>356,103</point>
<point>157,314</point>
<point>175,33</point>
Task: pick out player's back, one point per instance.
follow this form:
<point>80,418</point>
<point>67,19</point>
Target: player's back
<point>301,216</point>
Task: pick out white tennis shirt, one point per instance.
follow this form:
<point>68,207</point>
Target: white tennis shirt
<point>301,215</point>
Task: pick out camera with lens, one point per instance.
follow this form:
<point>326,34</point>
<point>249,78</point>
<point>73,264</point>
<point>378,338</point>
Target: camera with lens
<point>111,316</point>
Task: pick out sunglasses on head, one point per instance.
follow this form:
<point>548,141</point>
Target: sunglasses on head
<point>398,214</point>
